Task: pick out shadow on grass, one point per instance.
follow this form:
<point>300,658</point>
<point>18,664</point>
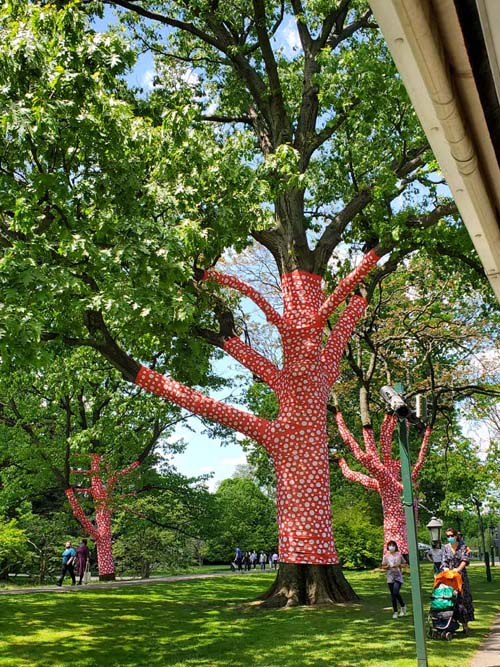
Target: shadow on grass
<point>210,623</point>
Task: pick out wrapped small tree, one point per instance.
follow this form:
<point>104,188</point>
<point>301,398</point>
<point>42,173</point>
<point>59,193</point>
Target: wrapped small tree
<point>102,492</point>
<point>384,472</point>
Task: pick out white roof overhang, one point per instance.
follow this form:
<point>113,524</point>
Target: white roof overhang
<point>427,44</point>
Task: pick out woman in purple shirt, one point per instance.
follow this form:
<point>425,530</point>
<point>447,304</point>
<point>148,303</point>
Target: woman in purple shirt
<point>82,556</point>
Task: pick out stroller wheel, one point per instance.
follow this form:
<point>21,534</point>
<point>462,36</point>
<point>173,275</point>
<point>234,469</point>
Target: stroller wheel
<point>448,636</point>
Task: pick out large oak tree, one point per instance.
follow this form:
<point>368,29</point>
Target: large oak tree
<point>115,210</point>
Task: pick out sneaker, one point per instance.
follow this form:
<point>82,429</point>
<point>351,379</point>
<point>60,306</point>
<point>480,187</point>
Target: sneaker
<point>395,615</point>
<point>402,611</point>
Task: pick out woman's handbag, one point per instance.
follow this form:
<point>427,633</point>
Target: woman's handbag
<point>87,575</point>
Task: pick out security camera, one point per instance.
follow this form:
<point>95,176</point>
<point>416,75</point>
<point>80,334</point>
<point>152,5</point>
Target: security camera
<point>395,402</point>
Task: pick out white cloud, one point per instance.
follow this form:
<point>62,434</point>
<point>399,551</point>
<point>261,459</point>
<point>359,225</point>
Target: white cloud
<point>190,77</point>
<point>234,461</point>
<point>148,78</point>
<point>291,36</point>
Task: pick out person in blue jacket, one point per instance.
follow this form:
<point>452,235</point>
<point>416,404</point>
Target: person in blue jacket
<point>68,564</point>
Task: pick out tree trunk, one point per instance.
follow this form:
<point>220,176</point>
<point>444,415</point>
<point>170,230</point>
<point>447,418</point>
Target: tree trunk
<point>104,544</point>
<point>394,515</point>
<point>296,440</point>
<point>303,584</point>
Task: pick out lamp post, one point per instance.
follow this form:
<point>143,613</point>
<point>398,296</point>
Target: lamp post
<point>434,527</point>
<point>392,396</point>
<point>492,545</point>
<point>478,505</point>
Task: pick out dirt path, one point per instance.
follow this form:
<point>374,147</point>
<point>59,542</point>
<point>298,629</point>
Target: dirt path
<point>120,583</point>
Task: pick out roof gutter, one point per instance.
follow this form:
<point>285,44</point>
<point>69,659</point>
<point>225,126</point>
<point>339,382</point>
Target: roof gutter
<point>411,30</point>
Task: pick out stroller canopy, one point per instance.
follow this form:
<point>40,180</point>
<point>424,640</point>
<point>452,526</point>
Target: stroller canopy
<point>450,578</point>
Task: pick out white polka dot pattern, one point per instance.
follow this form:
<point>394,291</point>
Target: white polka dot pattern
<point>297,439</point>
<point>101,493</point>
<point>385,473</point>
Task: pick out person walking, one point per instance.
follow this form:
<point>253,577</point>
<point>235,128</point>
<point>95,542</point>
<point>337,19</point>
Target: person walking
<point>68,564</point>
<point>82,558</point>
<point>246,561</point>
<point>393,561</point>
<point>456,557</point>
<point>238,558</point>
<point>274,560</point>
<point>262,560</point>
<point>435,555</point>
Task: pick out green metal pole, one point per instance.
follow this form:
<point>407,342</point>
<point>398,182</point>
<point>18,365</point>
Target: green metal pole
<point>416,591</point>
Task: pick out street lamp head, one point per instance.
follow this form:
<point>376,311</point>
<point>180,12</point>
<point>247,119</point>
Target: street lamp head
<point>395,401</point>
<point>434,526</point>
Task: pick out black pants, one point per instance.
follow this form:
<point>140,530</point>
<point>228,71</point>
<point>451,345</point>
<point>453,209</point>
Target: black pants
<point>395,596</point>
<point>70,569</point>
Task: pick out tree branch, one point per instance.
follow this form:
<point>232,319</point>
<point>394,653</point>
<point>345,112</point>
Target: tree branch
<point>332,235</point>
<point>279,116</point>
<point>338,337</point>
<point>354,476</point>
<point>247,290</point>
<point>202,405</point>
<point>348,284</point>
<point>255,362</point>
<point>421,454</point>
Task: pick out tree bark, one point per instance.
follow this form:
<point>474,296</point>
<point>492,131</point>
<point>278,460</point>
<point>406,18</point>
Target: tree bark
<point>104,545</point>
<point>304,584</point>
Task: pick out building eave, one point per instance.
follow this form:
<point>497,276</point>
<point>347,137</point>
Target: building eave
<point>427,43</point>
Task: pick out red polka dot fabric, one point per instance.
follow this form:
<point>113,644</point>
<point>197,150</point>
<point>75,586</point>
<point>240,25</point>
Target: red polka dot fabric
<point>101,493</point>
<point>385,473</point>
<point>297,439</point>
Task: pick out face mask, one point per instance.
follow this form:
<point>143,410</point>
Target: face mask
<point>392,548</point>
<point>452,540</point>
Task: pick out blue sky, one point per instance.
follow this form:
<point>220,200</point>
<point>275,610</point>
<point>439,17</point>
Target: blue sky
<point>205,455</point>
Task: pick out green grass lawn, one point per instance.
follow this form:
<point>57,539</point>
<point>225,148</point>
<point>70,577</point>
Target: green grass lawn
<point>209,623</point>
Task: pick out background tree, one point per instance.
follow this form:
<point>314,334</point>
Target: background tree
<point>245,517</point>
<point>316,149</point>
<point>45,531</point>
<point>166,529</point>
<point>71,419</point>
<point>13,545</point>
<point>384,472</point>
<point>406,335</point>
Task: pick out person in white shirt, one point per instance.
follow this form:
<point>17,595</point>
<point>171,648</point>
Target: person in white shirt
<point>435,555</point>
<point>393,561</point>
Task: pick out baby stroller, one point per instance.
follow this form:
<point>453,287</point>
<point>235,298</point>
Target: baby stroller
<point>445,599</point>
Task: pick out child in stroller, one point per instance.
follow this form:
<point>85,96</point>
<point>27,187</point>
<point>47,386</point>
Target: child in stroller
<point>445,599</point>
